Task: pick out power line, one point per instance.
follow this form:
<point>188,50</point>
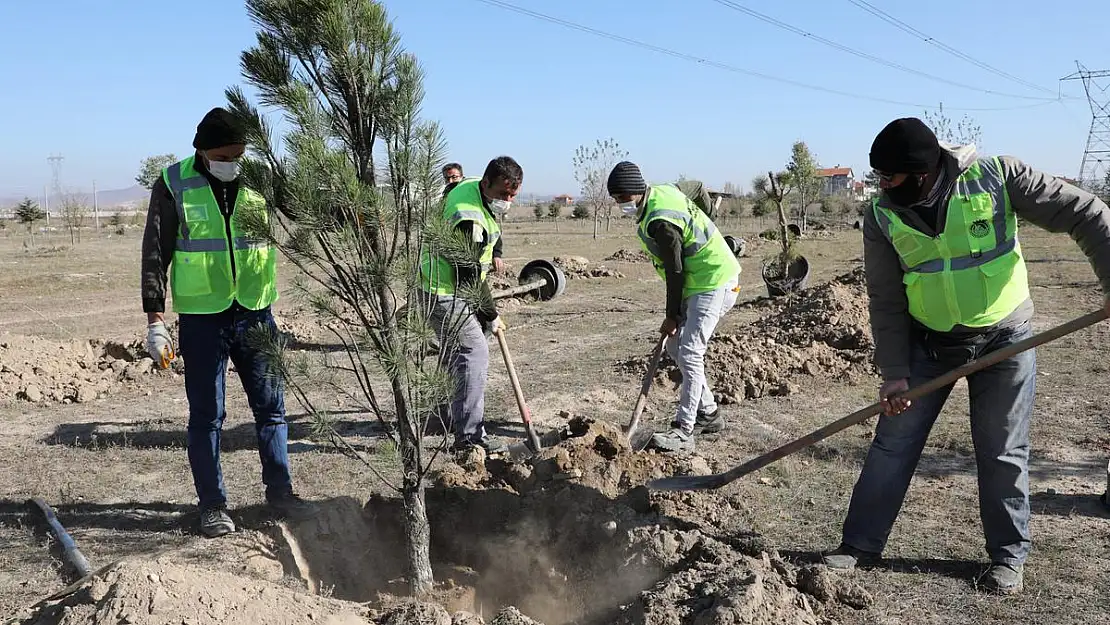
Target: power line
<point>731,68</point>
<point>903,26</point>
<point>864,55</point>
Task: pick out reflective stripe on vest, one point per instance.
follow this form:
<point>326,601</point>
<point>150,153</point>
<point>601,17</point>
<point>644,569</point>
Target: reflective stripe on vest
<point>965,275</point>
<point>210,271</point>
<point>708,263</point>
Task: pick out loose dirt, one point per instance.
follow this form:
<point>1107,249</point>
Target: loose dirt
<point>822,331</point>
<point>625,255</point>
<point>571,537</point>
<point>579,267</point>
<point>38,370</point>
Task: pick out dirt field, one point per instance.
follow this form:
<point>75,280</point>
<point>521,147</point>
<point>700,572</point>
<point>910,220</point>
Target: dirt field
<point>102,439</point>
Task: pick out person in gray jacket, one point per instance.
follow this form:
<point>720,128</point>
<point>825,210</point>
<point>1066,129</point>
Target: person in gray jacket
<point>947,284</point>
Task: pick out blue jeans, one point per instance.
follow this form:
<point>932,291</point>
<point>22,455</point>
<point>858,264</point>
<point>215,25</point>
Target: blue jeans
<point>1001,400</point>
<point>206,343</point>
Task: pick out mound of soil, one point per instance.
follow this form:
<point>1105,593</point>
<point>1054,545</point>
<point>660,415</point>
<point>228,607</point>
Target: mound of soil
<point>39,370</point>
<point>822,331</point>
<point>629,256</point>
<point>147,592</point>
<point>579,267</point>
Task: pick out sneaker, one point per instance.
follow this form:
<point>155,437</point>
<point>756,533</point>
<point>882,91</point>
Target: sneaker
<point>492,446</point>
<point>709,422</point>
<point>674,439</point>
<point>215,521</point>
<point>292,507</point>
<point>1003,579</point>
<point>846,557</point>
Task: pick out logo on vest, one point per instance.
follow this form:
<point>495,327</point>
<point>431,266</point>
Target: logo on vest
<point>980,228</point>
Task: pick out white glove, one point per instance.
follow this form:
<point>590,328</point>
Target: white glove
<point>497,325</point>
<point>158,344</point>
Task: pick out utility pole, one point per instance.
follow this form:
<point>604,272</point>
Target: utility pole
<point>96,209</point>
<point>55,161</point>
<point>1096,155</point>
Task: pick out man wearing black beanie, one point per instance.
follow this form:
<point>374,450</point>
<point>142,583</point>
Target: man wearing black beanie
<point>222,284</point>
<point>702,279</point>
<point>947,284</point>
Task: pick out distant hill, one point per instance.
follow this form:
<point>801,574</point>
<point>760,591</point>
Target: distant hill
<point>107,198</point>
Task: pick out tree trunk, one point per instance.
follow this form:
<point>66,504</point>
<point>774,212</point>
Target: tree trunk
<point>556,224</point>
<point>595,223</point>
<point>418,536</point>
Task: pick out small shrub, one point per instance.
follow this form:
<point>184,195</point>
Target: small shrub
<point>581,211</point>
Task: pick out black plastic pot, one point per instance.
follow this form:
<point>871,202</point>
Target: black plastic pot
<point>797,276</point>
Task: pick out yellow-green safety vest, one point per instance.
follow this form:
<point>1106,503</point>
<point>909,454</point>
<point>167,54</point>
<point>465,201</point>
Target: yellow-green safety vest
<point>463,203</point>
<point>708,263</point>
<point>972,273</point>
<point>214,262</point>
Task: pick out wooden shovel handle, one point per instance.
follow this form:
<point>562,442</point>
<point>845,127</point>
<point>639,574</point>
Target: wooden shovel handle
<point>525,413</point>
<point>916,392</point>
<point>645,385</point>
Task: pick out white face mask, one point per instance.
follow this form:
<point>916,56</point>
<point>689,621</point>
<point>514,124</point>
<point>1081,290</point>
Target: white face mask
<point>225,171</point>
<point>499,207</point>
<point>629,208</point>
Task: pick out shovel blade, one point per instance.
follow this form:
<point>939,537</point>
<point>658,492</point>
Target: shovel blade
<point>640,438</point>
<point>689,482</point>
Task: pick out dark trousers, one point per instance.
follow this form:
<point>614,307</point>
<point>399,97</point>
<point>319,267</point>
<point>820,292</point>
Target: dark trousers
<point>1001,398</point>
<point>206,344</point>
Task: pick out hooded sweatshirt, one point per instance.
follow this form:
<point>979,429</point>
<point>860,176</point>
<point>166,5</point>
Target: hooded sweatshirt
<point>1038,198</point>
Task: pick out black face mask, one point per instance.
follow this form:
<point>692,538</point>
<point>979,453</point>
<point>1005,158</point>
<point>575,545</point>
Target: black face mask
<point>908,192</point>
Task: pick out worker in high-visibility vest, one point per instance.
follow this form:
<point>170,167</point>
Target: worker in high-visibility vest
<point>223,284</point>
<point>702,279</point>
<point>471,209</point>
<point>947,284</point>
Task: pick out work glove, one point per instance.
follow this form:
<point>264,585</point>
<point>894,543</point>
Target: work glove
<point>159,344</point>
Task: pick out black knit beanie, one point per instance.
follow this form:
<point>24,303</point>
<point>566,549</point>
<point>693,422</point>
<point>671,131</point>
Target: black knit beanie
<point>219,128</point>
<point>905,146</point>
<point>626,179</point>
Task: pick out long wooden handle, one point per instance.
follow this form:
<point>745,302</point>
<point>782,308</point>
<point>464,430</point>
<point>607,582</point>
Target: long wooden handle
<point>935,384</point>
<point>645,386</point>
<point>525,413</point>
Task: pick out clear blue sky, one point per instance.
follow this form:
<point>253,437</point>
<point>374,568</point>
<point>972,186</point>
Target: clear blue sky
<point>107,83</point>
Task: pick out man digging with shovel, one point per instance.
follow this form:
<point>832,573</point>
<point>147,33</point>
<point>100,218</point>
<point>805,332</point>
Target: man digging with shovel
<point>470,208</point>
<point>947,284</point>
<point>702,277</point>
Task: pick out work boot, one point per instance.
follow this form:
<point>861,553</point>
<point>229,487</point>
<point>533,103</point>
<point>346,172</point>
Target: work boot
<point>709,422</point>
<point>675,439</point>
<point>215,521</point>
<point>846,557</point>
<point>292,507</point>
<point>1003,579</point>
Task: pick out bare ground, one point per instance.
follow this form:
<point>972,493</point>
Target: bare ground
<point>115,468</point>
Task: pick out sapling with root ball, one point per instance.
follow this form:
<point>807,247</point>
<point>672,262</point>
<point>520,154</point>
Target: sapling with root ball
<point>356,196</point>
<point>774,189</point>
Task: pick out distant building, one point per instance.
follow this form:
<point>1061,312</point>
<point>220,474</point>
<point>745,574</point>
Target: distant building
<point>861,191</point>
<point>563,200</point>
<point>836,180</point>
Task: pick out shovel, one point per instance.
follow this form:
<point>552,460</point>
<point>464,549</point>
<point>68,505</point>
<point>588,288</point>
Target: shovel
<point>638,439</point>
<point>533,442</point>
<point>709,482</point>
